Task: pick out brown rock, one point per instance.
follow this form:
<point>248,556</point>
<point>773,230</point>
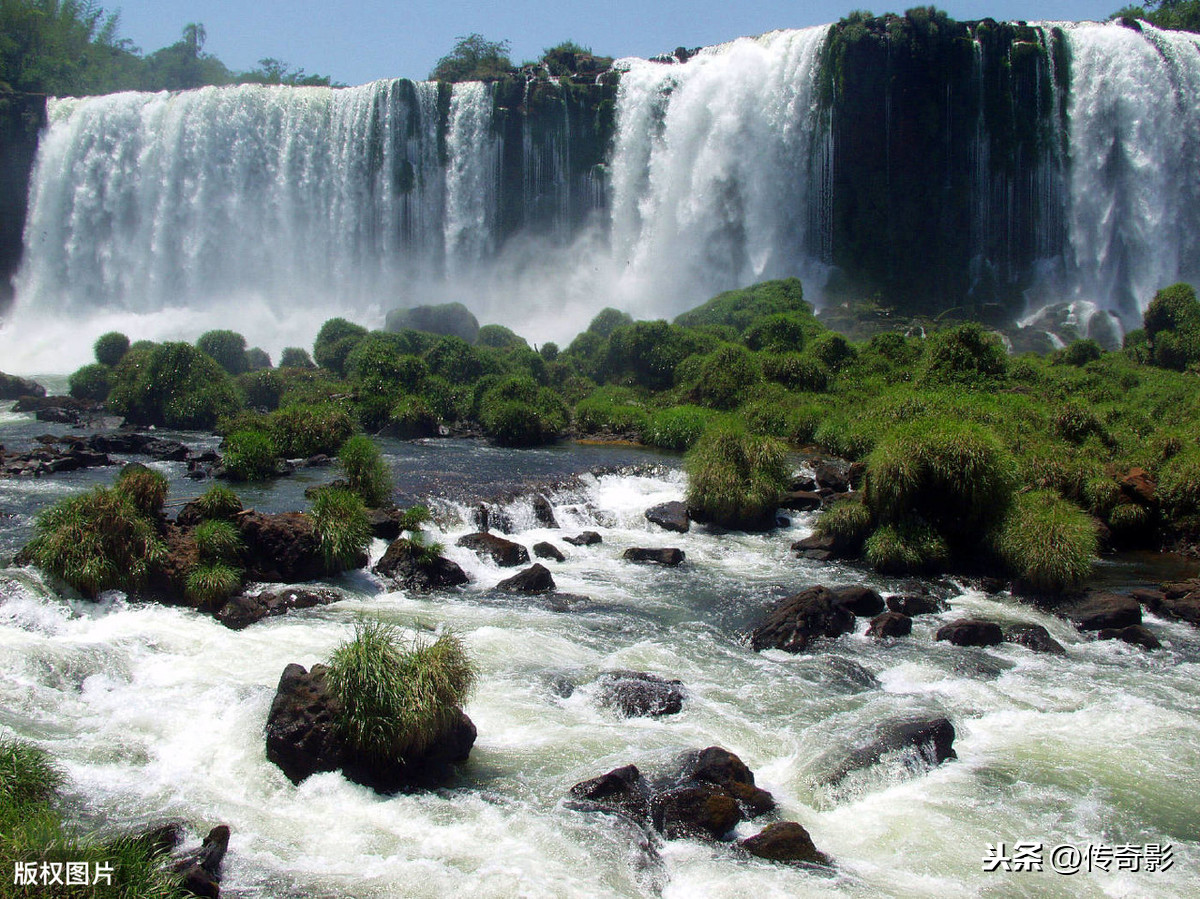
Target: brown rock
<point>1135,635</point>
<point>695,811</point>
<point>504,553</point>
<point>971,632</point>
<point>785,841</point>
<point>890,624</point>
<point>799,620</point>
<point>1102,611</point>
<point>1140,487</point>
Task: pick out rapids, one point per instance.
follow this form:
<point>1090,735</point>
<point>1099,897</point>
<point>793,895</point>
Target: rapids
<point>158,712</point>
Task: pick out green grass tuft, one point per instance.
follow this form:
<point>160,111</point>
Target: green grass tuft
<point>218,503</point>
<point>394,702</point>
<point>146,488</point>
<point>735,478</point>
<point>218,541</point>
<point>366,471</point>
<point>342,527</point>
<point>907,547</point>
<point>211,583</point>
<point>249,455</point>
<point>1047,542</point>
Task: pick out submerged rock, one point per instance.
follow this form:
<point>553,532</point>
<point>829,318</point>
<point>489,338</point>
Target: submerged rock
<point>547,550</point>
<point>668,556</point>
<point>1102,611</point>
<point>672,516</point>
<point>543,512</point>
<point>534,579</point>
<point>587,538</point>
<point>637,694</point>
<point>504,553</point>
<point>931,740</point>
<point>242,611</point>
<point>971,632</point>
<point>622,790</point>
<point>1034,637</point>
<point>890,624</point>
<point>785,841</point>
<point>1135,635</point>
<point>302,739</point>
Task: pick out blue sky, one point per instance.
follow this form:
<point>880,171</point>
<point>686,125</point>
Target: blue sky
<point>370,39</point>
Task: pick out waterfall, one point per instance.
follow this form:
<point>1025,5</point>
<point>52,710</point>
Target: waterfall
<point>1134,207</point>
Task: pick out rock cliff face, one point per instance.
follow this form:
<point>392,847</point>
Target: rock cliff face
<point>21,118</point>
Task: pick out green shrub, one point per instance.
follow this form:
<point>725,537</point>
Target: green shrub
<point>966,355</point>
<point>608,320</point>
<point>1101,494</point>
<point>448,402</point>
<point>92,382</point>
<point>517,412</point>
<point>218,541</point>
<point>300,431</point>
<point>96,541</point>
<point>1129,521</point>
<point>846,437</point>
<point>257,359</point>
<point>1179,482</point>
<point>783,332</point>
<point>1081,352</point>
<point>953,474</point>
<point>831,350</point>
<point>172,385</point>
<point>647,353</point>
<point>342,527</point>
<point>1173,308</point>
<point>249,456</point>
<point>366,471</point>
<point>411,419</point>
<point>28,776</point>
<point>334,342</point>
<point>549,351</point>
<point>296,357</point>
<point>263,389</point>
<point>787,419</point>
<point>1176,350</point>
<point>218,503</point>
<point>848,522</point>
<point>393,702</point>
<point>735,479</point>
<point>110,348</point>
<point>228,348</point>
<point>907,547</point>
<point>458,362</point>
<point>799,372</point>
<point>726,376</point>
<point>740,308</point>
<point>499,337</point>
<point>146,488</point>
<point>677,428</point>
<point>1047,542</point>
<point>1075,422</point>
<point>610,409</point>
<point>211,583</point>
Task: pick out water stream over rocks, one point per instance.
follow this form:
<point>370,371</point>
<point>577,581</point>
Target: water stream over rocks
<point>158,712</point>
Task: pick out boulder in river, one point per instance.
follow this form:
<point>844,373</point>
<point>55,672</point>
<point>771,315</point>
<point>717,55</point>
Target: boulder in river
<point>863,602</point>
<point>1179,600</point>
<point>201,871</point>
<point>722,768</point>
<point>1134,634</point>
<point>971,632</point>
<point>913,604</point>
<point>799,620</point>
<point>547,550</point>
<point>890,624</point>
<point>242,611</point>
<point>623,790</point>
<point>1033,637</point>
<point>1099,611</point>
<point>534,579</point>
<point>13,387</point>
<point>931,741</point>
<point>699,810</point>
<point>504,553</point>
<point>785,841</point>
<point>410,567</point>
<point>543,512</point>
<point>637,694</point>
<point>668,556</point>
<point>672,516</point>
<point>587,538</point>
<point>281,547</point>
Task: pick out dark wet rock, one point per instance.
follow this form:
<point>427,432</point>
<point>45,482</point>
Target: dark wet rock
<point>890,624</point>
<point>915,604</point>
<point>672,516</point>
<point>1099,611</point>
<point>504,553</point>
<point>534,579</point>
<point>165,450</point>
<point>242,611</point>
<point>190,515</point>
<point>636,694</point>
<point>801,501</point>
<point>13,387</point>
<point>695,811</point>
<point>722,768</point>
<point>543,512</point>
<point>1033,637</point>
<point>802,482</point>
<point>1135,635</point>
<point>587,538</point>
<point>817,547</point>
<point>201,872</point>
<point>411,568</point>
<point>488,518</point>
<point>385,523</point>
<point>622,790</point>
<point>798,620</point>
<point>834,672</point>
<point>1179,600</point>
<point>833,474</point>
<point>282,547</point>
<point>1138,486</point>
<point>302,739</point>
<point>545,550</point>
<point>931,739</point>
<point>560,684</point>
<point>863,602</point>
<point>785,841</point>
<point>971,632</point>
<point>668,556</point>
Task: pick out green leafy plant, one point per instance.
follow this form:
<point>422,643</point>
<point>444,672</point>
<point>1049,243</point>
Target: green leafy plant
<point>110,348</point>
<point>92,382</point>
<point>342,527</point>
<point>146,488</point>
<point>907,547</point>
<point>735,479</point>
<point>218,502</point>
<point>249,455</point>
<point>300,431</point>
<point>366,471</point>
<point>396,701</point>
<point>211,583</point>
<point>218,541</point>
<point>1047,542</point>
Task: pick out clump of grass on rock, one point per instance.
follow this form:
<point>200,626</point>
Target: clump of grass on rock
<point>342,527</point>
<point>1047,542</point>
<point>735,478</point>
<point>396,701</point>
<point>366,471</point>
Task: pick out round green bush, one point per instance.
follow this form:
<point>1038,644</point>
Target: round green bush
<point>966,355</point>
<point>263,389</point>
<point>145,487</point>
<point>249,456</point>
<point>799,372</point>
<point>1047,542</point>
<point>342,527</point>
<point>735,479</point>
<point>296,357</point>
<point>1081,352</point>
<point>92,382</point>
<point>1075,423</point>
<point>517,412</point>
<point>907,547</point>
<point>97,541</point>
<point>1173,308</point>
<point>677,428</point>
<point>257,359</point>
<point>172,385</point>
<point>779,333</point>
<point>955,475</point>
<point>393,702</point>
<point>218,541</point>
<point>831,350</point>
<point>499,337</point>
<point>300,431</point>
<point>218,503</point>
<point>366,471</point>
<point>228,348</point>
<point>726,376</point>
<point>411,419</point>
<point>848,522</point>
<point>334,342</point>
<point>1130,522</point>
<point>549,351</point>
<point>110,348</point>
<point>211,583</point>
<point>1179,482</point>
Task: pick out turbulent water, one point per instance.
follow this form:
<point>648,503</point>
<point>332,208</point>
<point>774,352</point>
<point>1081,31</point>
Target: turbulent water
<point>158,712</point>
<point>272,208</point>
